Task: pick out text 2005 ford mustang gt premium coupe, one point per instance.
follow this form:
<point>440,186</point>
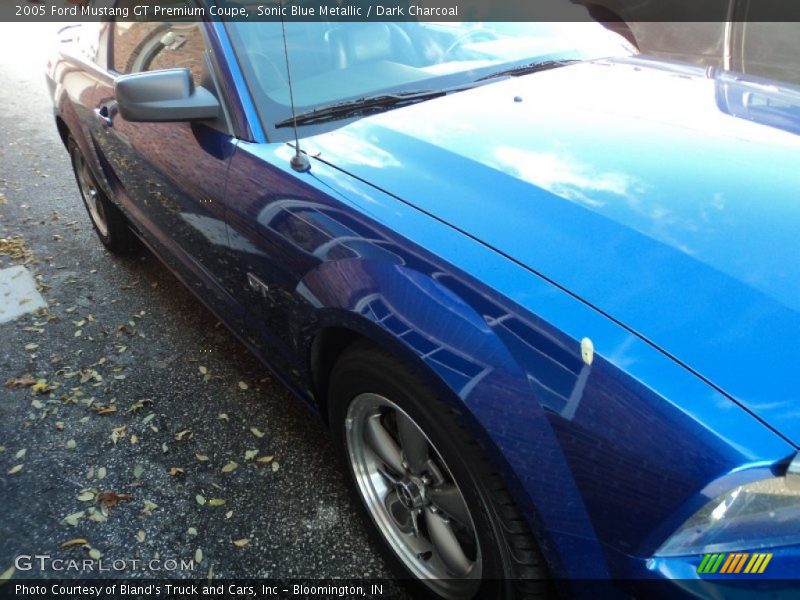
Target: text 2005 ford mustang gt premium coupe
<point>548,301</point>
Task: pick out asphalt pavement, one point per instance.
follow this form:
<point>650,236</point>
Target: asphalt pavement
<point>133,426</point>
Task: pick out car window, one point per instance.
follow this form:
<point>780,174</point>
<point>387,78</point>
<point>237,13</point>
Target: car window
<point>335,61</point>
<point>152,46</point>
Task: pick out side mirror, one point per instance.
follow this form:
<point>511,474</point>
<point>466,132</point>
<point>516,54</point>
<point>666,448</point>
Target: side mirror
<point>168,95</point>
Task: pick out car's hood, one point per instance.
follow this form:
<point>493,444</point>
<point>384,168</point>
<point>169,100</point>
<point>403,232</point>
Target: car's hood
<point>633,187</point>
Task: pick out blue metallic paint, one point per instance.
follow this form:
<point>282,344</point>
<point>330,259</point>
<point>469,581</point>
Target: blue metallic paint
<point>491,310</point>
<point>647,173</point>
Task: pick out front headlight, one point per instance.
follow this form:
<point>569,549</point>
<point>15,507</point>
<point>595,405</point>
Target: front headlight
<point>762,514</point>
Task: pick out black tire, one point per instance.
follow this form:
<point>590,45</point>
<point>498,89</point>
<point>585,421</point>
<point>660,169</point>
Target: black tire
<point>108,221</point>
<point>512,565</point>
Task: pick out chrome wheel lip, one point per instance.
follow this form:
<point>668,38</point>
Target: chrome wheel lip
<point>374,486</point>
<point>90,193</point>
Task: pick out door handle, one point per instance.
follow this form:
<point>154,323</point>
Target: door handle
<point>106,114</point>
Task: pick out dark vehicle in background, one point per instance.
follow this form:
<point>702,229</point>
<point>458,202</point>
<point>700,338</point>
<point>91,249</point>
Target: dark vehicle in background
<point>758,38</point>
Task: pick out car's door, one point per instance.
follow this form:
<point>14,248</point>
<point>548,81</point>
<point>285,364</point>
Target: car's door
<point>73,74</point>
<point>169,177</point>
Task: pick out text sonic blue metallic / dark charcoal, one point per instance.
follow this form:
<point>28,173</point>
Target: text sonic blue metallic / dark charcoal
<point>545,292</point>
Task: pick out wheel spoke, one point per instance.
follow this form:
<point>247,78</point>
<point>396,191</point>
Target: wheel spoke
<point>446,545</point>
<point>413,443</point>
<point>382,444</point>
<point>447,498</point>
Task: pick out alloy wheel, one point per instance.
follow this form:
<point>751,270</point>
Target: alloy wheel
<point>90,193</point>
<point>412,496</point>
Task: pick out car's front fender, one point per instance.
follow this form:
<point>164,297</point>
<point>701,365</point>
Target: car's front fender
<point>433,331</point>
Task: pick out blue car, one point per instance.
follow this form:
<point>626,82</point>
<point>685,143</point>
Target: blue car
<point>544,292</point>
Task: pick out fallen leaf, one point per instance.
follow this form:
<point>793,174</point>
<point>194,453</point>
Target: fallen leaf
<point>95,554</point>
<point>216,502</point>
<point>71,444</point>
<point>264,459</point>
<point>24,381</point>
<point>86,496</point>
<point>101,473</point>
<point>184,435</point>
<point>140,535</point>
<point>117,433</point>
<point>256,432</point>
<point>137,471</point>
<point>241,543</point>
<point>200,500</point>
<point>148,418</point>
<point>109,499</point>
<point>229,514</point>
<point>201,457</point>
<point>250,454</point>
<point>191,531</point>
<point>230,467</point>
<point>15,469</point>
<point>203,370</point>
<point>198,555</point>
<point>223,417</point>
<point>134,439</point>
<point>140,404</point>
<point>7,574</point>
<point>97,517</point>
<point>275,466</point>
<point>149,506</point>
<point>21,453</point>
<point>31,346</point>
<point>73,518</point>
<point>243,385</point>
<point>74,542</point>
<point>41,387</point>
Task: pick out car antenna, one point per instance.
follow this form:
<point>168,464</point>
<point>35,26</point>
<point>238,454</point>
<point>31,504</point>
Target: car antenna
<point>299,161</point>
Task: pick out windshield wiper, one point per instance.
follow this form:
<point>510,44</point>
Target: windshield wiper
<point>528,68</point>
<point>356,106</point>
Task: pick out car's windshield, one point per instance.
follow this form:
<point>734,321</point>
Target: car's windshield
<point>333,62</point>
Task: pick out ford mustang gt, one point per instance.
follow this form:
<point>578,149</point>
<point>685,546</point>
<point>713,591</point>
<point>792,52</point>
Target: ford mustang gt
<point>544,292</point>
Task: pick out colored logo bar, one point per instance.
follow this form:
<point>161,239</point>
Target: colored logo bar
<point>734,562</point>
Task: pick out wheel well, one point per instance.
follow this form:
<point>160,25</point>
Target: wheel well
<point>63,130</point>
<point>331,342</point>
<point>326,348</point>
